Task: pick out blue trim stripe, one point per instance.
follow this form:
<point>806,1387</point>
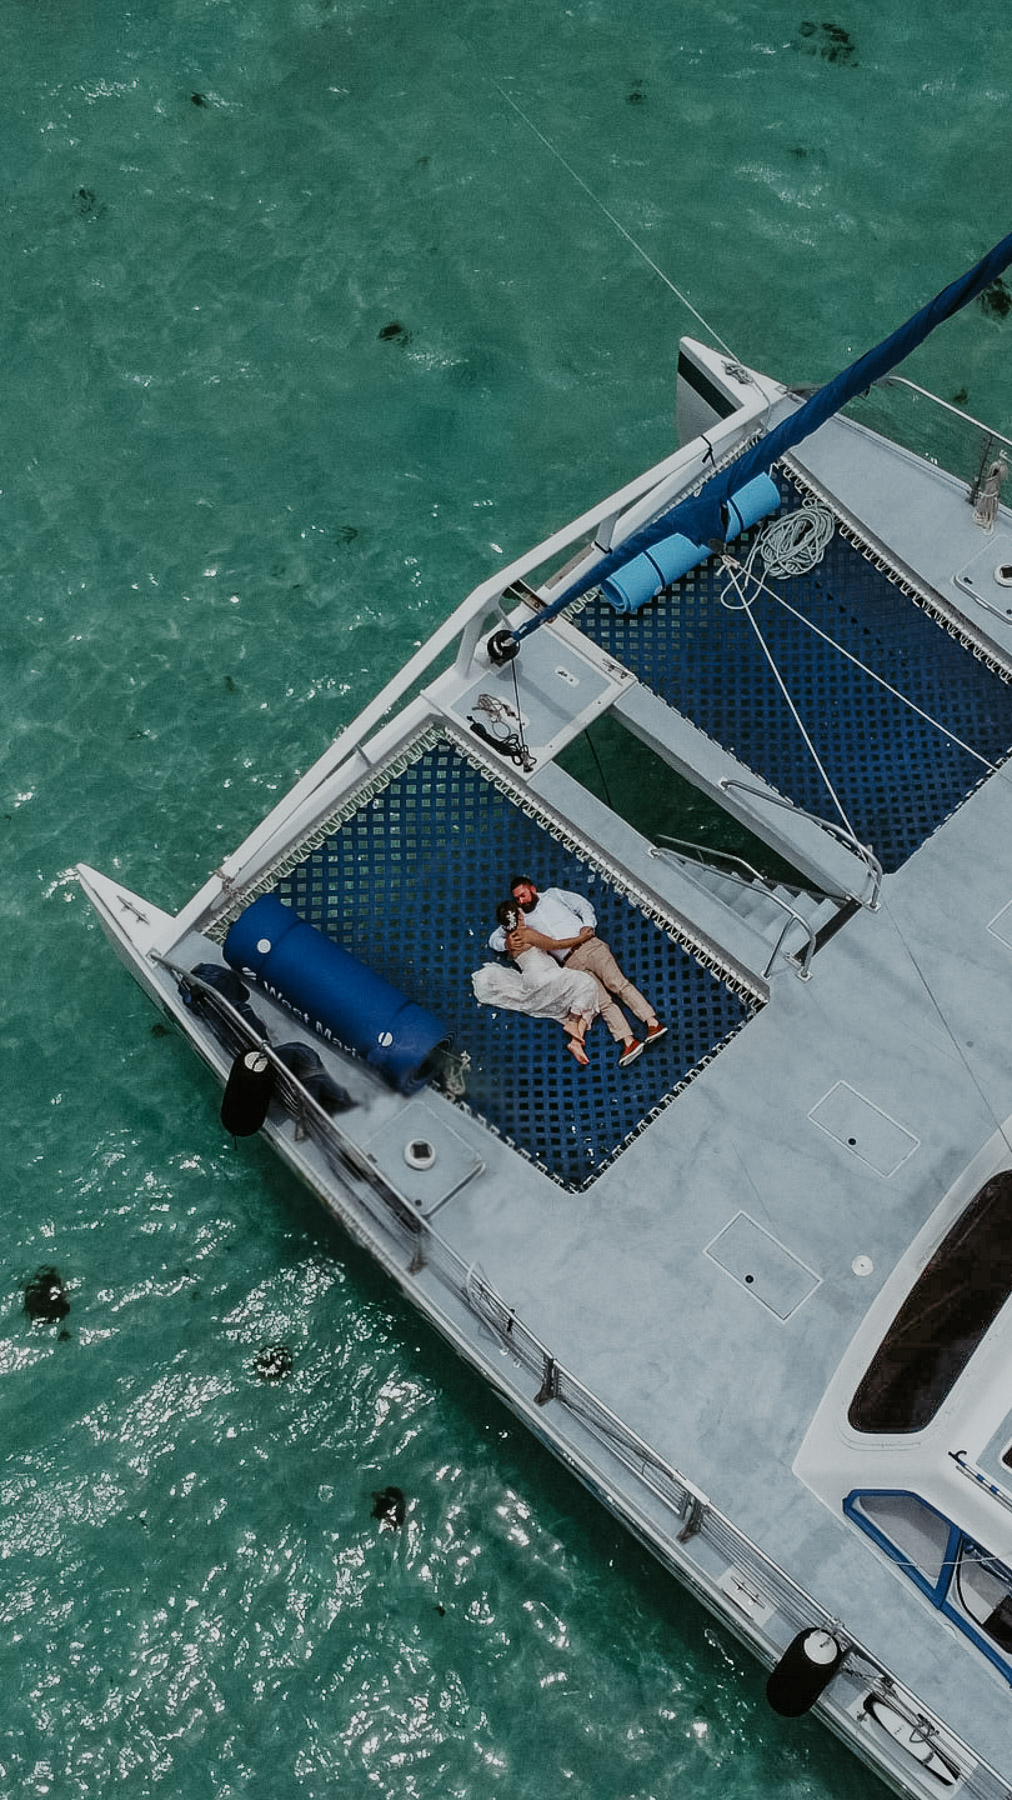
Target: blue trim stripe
<point>957,1546</point>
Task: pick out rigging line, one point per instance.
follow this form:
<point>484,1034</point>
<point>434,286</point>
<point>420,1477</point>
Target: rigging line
<point>593,751</point>
<point>946,1027</point>
<point>520,714</point>
<point>796,716</point>
<point>616,222</point>
<point>761,586</point>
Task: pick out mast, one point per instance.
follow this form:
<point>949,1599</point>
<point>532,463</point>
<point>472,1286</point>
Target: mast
<point>702,518</point>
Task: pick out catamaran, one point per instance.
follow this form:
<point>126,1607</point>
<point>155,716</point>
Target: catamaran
<point>753,1286</point>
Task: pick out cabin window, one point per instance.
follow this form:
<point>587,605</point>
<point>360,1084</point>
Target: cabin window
<point>971,1588</point>
<point>913,1534</point>
<point>954,1301</point>
<point>984,1590</point>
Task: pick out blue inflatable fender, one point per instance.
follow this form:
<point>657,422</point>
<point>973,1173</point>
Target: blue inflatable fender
<point>334,993</point>
<point>675,556</point>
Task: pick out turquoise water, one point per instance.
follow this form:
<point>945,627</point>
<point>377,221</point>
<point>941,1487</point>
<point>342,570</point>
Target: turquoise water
<point>232,500</point>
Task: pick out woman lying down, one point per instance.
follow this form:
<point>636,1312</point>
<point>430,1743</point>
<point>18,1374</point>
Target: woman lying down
<point>540,986</point>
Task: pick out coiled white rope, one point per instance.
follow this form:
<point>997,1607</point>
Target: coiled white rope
<point>794,543</point>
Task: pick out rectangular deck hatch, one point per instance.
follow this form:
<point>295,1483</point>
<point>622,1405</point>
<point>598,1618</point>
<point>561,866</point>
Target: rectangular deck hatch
<point>864,1129</point>
<point>762,1266</point>
<point>988,574</point>
<point>423,1158</point>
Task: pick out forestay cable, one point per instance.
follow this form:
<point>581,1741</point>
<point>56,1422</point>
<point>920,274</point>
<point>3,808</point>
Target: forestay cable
<point>529,122</point>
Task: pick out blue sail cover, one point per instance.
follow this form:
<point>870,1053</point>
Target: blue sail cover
<point>700,518</point>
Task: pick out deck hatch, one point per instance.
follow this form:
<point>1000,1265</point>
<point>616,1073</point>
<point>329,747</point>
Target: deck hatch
<point>988,574</point>
<point>422,1156</point>
<point>407,879</point>
<point>898,776</point>
<point>762,1266</point>
<point>864,1129</point>
<point>1001,925</point>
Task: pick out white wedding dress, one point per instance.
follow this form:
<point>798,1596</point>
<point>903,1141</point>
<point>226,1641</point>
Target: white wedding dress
<point>539,986</point>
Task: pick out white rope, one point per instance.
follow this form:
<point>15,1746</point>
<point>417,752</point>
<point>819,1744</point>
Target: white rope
<point>802,553</point>
<point>897,693</point>
<point>794,543</point>
<point>746,603</point>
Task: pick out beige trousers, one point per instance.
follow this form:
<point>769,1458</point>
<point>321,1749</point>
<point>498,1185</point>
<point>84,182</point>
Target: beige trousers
<point>596,957</point>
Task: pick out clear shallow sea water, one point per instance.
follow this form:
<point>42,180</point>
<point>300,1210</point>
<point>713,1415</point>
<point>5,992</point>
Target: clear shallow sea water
<point>229,507</point>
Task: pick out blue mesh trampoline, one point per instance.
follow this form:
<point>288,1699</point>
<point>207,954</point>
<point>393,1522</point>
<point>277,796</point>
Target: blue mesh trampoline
<point>897,774</point>
<point>409,882</point>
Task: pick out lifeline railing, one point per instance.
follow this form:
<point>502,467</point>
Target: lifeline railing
<point>751,878</point>
<point>845,835</point>
<point>702,1526</point>
<point>991,436</point>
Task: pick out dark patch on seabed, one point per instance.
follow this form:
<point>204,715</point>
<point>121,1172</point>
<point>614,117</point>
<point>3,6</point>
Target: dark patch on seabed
<point>274,1363</point>
<point>827,40</point>
<point>88,204</point>
<point>388,1506</point>
<point>996,300</point>
<point>46,1296</point>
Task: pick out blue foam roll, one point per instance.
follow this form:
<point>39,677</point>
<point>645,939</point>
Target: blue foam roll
<point>629,588</point>
<point>334,993</point>
<point>756,500</point>
<point>675,556</point>
<point>638,581</point>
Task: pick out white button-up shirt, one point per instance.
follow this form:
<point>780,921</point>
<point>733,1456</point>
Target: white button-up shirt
<point>556,915</point>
